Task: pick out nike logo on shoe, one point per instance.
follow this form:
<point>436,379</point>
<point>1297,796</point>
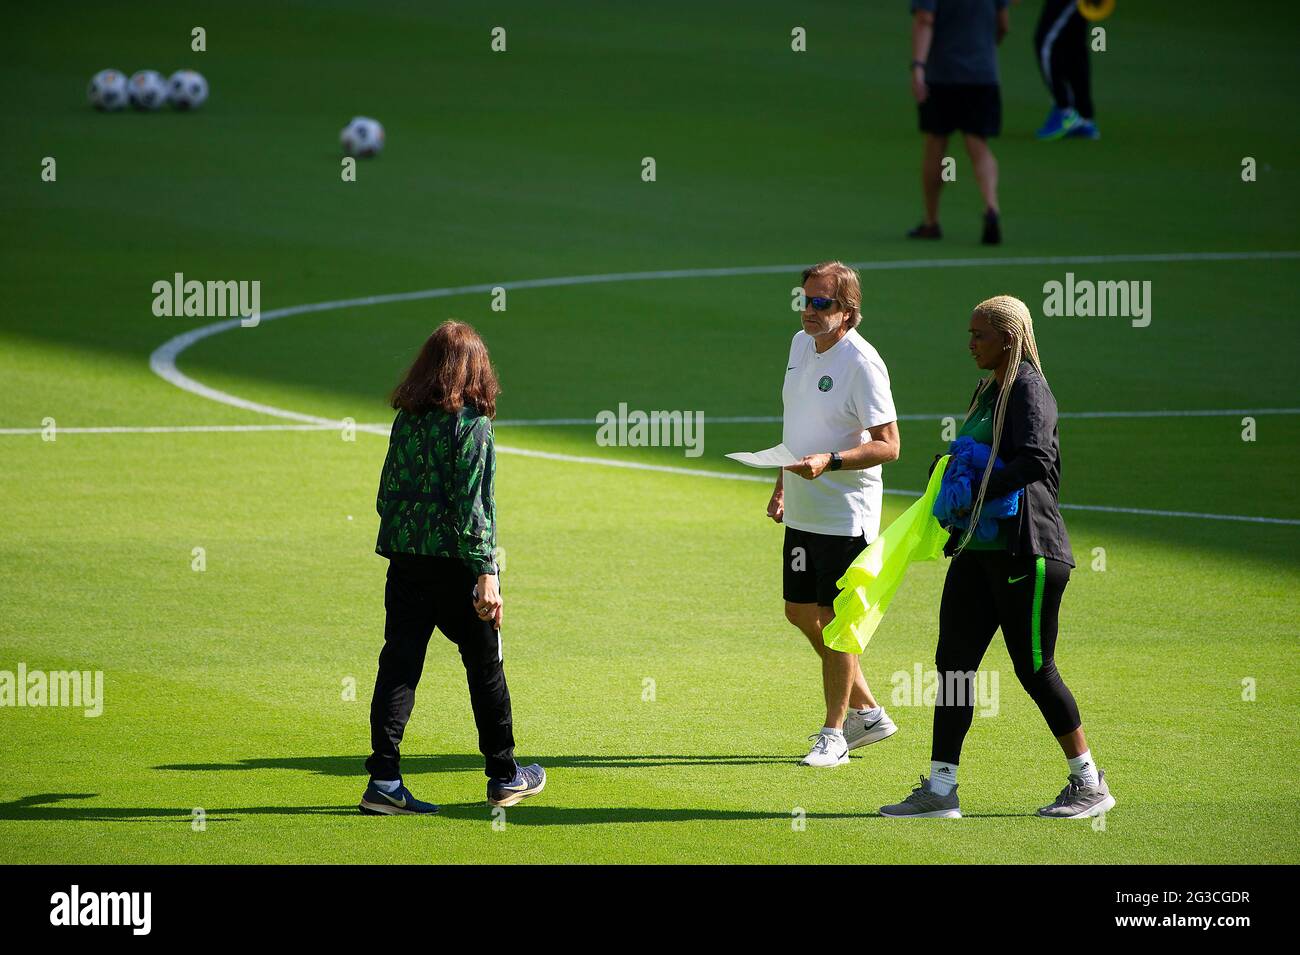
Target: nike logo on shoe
<point>399,805</point>
<point>1016,580</point>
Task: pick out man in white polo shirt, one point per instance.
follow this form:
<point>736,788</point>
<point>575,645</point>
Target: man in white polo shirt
<point>840,422</point>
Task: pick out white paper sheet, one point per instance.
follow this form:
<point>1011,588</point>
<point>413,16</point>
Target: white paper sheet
<point>777,457</point>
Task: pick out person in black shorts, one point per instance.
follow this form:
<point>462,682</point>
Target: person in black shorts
<point>840,424</point>
<point>955,83</point>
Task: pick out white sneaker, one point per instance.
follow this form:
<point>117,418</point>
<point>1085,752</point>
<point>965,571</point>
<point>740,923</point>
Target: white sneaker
<point>858,732</point>
<point>828,750</point>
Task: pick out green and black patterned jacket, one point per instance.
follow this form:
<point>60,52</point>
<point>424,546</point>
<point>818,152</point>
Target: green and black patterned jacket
<point>435,492</point>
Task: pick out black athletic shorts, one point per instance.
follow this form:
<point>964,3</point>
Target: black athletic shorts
<point>814,562</point>
<point>974,108</point>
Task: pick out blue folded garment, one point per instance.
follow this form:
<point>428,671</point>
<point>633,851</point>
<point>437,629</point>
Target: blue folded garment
<point>962,480</point>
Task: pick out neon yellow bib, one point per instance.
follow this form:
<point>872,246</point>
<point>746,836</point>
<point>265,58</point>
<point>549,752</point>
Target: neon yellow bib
<point>871,581</point>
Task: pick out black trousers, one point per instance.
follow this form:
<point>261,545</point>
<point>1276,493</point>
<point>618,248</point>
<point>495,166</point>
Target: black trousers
<point>1061,49</point>
<point>984,590</point>
<point>423,593</point>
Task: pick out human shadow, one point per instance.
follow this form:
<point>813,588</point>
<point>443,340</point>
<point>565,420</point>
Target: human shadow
<point>463,762</point>
<point>46,807</point>
<point>52,807</point>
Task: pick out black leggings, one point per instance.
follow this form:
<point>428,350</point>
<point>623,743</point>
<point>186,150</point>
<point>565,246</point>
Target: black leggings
<point>986,589</point>
<point>423,593</point>
<point>1061,49</point>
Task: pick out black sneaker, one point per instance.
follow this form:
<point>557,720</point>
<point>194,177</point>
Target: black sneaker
<point>992,229</point>
<point>400,802</point>
<point>924,231</point>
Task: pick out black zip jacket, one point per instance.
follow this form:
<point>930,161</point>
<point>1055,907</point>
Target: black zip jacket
<point>1031,452</point>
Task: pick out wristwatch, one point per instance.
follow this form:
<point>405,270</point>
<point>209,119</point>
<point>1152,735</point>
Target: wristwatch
<point>837,462</point>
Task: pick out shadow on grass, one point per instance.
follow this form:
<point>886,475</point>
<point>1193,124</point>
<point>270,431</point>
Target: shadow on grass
<point>48,807</point>
<point>45,807</point>
<point>459,762</point>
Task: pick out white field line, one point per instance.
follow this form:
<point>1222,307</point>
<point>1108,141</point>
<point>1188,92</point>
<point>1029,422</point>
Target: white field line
<point>774,419</point>
<point>182,428</point>
<point>163,360</point>
<point>614,463</point>
<point>379,427</point>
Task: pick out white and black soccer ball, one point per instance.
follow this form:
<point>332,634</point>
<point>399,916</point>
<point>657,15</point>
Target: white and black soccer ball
<point>147,90</point>
<point>107,90</point>
<point>187,89</point>
<point>363,136</point>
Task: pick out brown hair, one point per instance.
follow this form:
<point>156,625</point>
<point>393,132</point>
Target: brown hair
<point>452,370</point>
<point>848,287</point>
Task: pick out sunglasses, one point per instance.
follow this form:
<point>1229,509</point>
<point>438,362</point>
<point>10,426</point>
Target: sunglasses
<point>820,304</point>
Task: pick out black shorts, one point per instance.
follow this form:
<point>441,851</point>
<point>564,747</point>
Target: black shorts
<point>813,563</point>
<point>973,108</point>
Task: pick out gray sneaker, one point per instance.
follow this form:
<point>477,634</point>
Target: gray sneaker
<point>1078,801</point>
<point>924,804</point>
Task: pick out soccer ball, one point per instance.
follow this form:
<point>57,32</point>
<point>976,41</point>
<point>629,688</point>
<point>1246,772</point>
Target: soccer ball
<point>147,90</point>
<point>187,89</point>
<point>362,137</point>
<point>107,90</point>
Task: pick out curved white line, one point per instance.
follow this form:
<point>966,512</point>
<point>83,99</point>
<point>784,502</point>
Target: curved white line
<point>162,361</point>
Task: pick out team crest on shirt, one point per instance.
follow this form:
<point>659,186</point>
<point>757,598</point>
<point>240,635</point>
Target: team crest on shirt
<point>826,383</point>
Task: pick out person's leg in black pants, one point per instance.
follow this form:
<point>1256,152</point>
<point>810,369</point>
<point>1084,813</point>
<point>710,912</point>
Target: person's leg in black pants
<point>410,616</point>
<point>423,593</point>
<point>968,619</point>
<point>1028,599</point>
<point>480,651</point>
<point>1072,62</point>
<point>1060,44</point>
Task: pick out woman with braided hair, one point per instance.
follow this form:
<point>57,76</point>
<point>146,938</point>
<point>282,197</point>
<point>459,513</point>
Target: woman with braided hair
<point>1014,580</point>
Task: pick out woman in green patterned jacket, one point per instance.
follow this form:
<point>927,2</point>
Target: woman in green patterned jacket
<point>437,527</point>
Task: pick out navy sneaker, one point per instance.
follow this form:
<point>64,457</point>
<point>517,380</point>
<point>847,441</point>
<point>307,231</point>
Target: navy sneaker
<point>400,802</point>
<point>924,231</point>
<point>527,781</point>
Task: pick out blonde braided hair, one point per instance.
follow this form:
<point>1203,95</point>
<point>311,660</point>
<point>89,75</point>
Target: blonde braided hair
<point>1010,316</point>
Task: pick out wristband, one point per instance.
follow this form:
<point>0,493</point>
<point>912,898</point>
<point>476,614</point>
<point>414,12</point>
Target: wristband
<point>920,63</point>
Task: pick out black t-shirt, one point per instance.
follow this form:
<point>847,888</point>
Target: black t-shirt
<point>965,44</point>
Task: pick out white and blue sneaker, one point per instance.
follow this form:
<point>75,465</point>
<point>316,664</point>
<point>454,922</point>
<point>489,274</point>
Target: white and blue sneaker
<point>399,802</point>
<point>527,781</point>
<point>858,732</point>
<point>829,749</point>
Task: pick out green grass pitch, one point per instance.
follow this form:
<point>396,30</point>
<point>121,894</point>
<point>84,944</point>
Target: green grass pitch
<point>225,690</point>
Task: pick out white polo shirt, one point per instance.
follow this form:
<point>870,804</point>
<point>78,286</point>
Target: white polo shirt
<point>830,401</point>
